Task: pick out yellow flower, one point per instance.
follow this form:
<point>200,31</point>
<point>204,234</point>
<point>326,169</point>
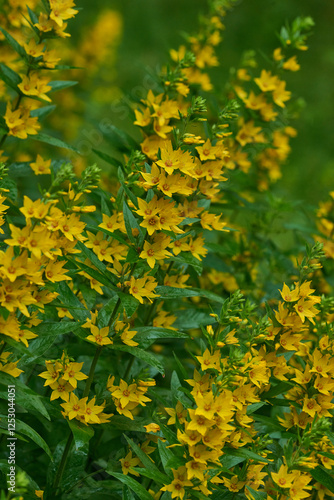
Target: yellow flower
<point>291,64</point>
<point>283,478</point>
<point>41,166</point>
<point>128,462</point>
<point>152,427</point>
<point>100,335</point>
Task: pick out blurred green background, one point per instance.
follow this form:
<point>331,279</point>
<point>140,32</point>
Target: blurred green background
<point>152,27</point>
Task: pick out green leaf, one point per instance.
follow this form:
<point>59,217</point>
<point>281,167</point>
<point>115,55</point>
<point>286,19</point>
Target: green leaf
<point>69,300</point>
<point>129,303</point>
<point>9,76</point>
<point>106,312</point>
<point>82,433</point>
<point>120,139</point>
<point>193,318</point>
<point>106,158</point>
<point>257,495</point>
<point>14,44</point>
<point>147,462</point>
<point>127,495</point>
<point>43,112</point>
<point>25,396</point>
<point>271,423</point>
<point>60,85</point>
<point>47,333</point>
<point>131,223</point>
<point>320,475</point>
<point>254,407</point>
<point>109,233</point>
<point>278,389</point>
<point>229,461</point>
<point>20,170</point>
<point>26,430</point>
<point>166,456</point>
<point>169,292</point>
<point>189,260</point>
<point>125,424</point>
<point>53,141</point>
<point>32,15</point>
<point>145,356</point>
<point>136,487</point>
<point>146,335</point>
<point>247,454</point>
<point>175,388</point>
<point>55,328</point>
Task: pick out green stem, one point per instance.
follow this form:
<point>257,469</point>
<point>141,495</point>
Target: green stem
<point>89,381</point>
<point>128,368</point>
<point>62,464</point>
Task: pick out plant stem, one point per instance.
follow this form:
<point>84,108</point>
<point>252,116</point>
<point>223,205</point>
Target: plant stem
<point>62,464</point>
<point>128,368</point>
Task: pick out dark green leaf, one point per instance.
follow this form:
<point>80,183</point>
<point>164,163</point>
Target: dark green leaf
<point>247,454</point>
<point>106,158</point>
<point>70,301</point>
<point>25,396</point>
<point>120,139</point>
<point>60,85</point>
<point>131,223</point>
<point>14,44</point>
<point>43,112</point>
<point>257,495</point>
<point>129,303</point>
<point>147,462</point>
<point>53,141</point>
<point>136,487</point>
<point>166,456</point>
<point>323,477</point>
<point>20,170</point>
<point>147,357</point>
<point>147,334</point>
<point>82,433</point>
<point>169,292</point>
<point>10,77</point>
<point>26,430</point>
<point>189,260</point>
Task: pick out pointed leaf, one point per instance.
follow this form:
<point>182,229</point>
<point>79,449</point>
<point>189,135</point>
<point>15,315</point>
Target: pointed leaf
<point>145,356</point>
<point>82,433</point>
<point>136,487</point>
<point>53,141</point>
<point>322,476</point>
<point>26,430</point>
